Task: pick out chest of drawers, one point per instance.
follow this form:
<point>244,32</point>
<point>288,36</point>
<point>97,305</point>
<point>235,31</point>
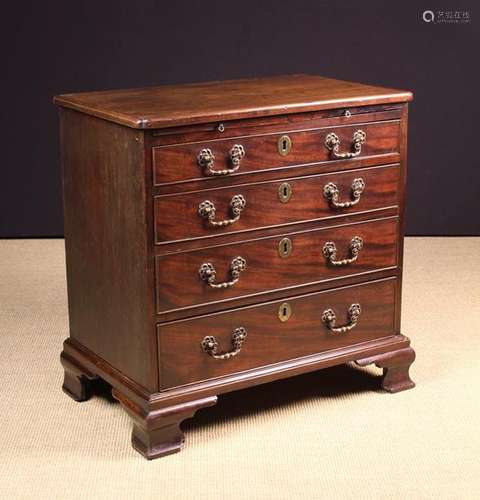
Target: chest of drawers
<point>228,234</point>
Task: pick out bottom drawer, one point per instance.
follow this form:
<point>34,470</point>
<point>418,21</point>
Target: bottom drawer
<point>223,343</point>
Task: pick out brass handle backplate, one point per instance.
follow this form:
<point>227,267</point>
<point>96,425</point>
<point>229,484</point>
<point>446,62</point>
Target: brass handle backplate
<point>210,344</point>
<point>207,210</point>
<point>332,193</point>
<point>208,273</point>
<point>330,252</point>
<point>332,142</point>
<point>206,160</point>
<point>329,318</point>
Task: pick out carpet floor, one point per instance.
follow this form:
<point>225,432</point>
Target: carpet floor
<point>331,434</point>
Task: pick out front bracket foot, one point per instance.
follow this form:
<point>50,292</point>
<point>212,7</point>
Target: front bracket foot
<point>395,366</point>
<point>157,433</point>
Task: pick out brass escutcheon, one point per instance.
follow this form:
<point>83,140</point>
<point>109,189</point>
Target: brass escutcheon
<point>285,247</point>
<point>284,311</point>
<point>285,192</point>
<point>284,145</point>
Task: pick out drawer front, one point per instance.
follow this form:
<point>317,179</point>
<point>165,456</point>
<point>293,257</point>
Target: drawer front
<point>274,263</point>
<point>310,329</point>
<point>182,162</point>
<point>265,204</point>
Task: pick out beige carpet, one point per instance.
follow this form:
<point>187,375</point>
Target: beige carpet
<point>330,434</point>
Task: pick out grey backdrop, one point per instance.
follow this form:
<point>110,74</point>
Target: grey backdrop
<point>55,47</point>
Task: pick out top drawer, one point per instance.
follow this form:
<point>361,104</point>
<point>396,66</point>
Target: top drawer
<point>253,153</point>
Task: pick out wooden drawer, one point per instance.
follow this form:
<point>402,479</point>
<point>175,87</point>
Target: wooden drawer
<point>177,216</point>
<point>270,340</point>
<point>274,263</point>
<point>180,162</point>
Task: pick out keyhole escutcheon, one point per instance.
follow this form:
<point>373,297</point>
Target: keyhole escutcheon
<point>285,247</point>
<point>284,311</point>
<point>284,145</point>
<point>285,192</point>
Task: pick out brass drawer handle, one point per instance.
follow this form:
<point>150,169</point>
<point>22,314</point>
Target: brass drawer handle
<point>207,210</point>
<point>208,273</point>
<point>329,318</point>
<point>330,252</point>
<point>206,160</point>
<point>332,142</point>
<point>332,193</point>
<point>210,344</point>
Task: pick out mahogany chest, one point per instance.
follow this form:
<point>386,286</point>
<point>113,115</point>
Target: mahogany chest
<point>227,234</point>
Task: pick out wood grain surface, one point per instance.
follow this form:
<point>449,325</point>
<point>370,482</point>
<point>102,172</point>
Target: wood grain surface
<point>173,105</point>
<point>177,218</point>
<point>270,340</point>
<point>109,271</point>
<point>179,284</point>
<point>179,162</point>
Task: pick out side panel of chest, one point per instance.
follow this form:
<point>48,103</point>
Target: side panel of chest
<point>109,268</point>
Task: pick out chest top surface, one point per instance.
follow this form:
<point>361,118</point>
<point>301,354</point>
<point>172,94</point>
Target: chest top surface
<point>174,105</point>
